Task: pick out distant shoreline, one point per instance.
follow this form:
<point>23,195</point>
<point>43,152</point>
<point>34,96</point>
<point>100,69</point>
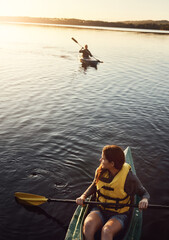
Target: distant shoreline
<point>162,25</point>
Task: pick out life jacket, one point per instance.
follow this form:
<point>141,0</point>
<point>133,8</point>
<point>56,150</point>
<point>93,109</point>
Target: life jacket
<point>111,190</point>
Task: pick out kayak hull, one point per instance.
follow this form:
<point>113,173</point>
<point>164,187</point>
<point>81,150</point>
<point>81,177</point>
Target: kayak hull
<point>89,62</point>
<point>134,225</point>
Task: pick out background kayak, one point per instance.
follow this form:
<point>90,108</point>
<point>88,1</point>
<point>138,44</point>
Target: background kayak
<point>89,62</point>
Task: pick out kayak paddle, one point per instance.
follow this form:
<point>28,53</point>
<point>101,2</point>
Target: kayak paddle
<point>82,47</point>
<point>76,41</point>
<point>36,200</point>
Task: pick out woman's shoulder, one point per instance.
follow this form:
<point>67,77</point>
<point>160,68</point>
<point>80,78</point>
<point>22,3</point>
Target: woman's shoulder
<point>132,177</point>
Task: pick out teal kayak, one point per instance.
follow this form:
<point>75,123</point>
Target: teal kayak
<point>134,226</point>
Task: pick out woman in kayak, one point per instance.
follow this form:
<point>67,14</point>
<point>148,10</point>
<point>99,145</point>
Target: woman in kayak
<point>115,183</point>
<point>85,52</point>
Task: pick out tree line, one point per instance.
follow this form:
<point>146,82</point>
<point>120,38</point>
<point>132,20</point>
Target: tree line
<point>149,24</point>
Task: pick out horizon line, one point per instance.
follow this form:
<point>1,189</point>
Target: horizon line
<point>143,20</point>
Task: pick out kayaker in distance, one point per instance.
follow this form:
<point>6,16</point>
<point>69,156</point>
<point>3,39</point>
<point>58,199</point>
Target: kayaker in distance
<point>114,182</point>
<point>85,52</point>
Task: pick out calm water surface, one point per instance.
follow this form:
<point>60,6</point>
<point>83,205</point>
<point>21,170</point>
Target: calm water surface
<point>55,117</point>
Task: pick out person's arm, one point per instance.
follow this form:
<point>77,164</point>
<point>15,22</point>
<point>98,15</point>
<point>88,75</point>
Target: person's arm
<point>90,190</point>
<point>89,53</point>
<point>134,186</point>
<point>81,50</point>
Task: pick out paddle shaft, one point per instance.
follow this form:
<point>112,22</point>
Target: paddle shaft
<point>32,199</point>
<point>152,206</point>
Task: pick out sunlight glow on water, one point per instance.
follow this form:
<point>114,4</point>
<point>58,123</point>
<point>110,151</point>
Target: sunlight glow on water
<point>56,117</point>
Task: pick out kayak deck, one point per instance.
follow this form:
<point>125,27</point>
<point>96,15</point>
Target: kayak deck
<point>133,228</point>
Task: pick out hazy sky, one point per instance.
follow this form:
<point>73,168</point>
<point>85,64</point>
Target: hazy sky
<point>107,10</point>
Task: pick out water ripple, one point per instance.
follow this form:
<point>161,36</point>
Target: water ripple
<point>56,116</point>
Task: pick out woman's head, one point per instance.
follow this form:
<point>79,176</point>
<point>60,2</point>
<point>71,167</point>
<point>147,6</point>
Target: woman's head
<point>110,153</point>
<point>114,154</point>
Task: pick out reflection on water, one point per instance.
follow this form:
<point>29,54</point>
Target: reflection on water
<point>86,66</point>
<point>55,120</point>
<point>40,211</point>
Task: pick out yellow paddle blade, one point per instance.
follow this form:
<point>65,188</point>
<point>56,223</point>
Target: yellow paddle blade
<point>30,199</point>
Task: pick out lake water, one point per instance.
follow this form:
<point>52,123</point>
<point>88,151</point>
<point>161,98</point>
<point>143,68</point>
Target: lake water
<point>55,117</point>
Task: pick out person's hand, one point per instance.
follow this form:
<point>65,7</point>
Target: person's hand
<point>81,200</point>
<point>143,204</point>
